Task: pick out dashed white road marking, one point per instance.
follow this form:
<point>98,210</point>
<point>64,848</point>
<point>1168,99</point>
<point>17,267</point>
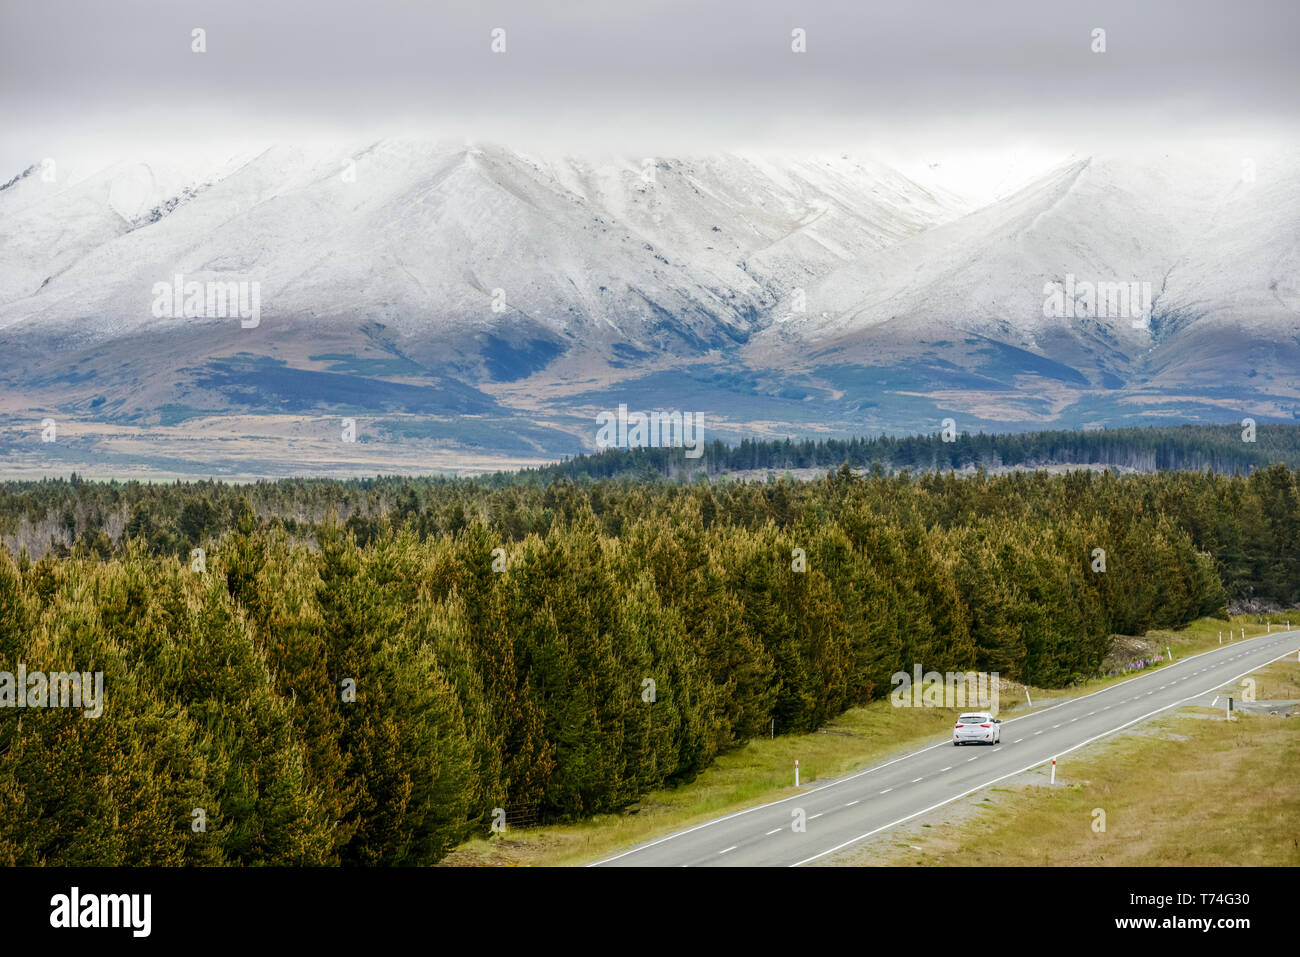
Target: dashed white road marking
<point>1068,750</point>
<point>941,770</point>
<point>879,767</point>
<point>914,780</point>
<point>773,831</point>
<point>726,849</point>
<point>851,803</point>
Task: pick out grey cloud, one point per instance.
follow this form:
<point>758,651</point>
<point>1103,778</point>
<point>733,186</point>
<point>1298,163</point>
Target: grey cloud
<point>713,73</point>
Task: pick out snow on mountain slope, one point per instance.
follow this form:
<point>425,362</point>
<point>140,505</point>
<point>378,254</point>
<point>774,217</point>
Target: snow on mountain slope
<point>676,255</point>
<point>749,219</point>
<point>1216,252</point>
<point>1243,266</point>
<point>53,215</point>
<point>474,281</point>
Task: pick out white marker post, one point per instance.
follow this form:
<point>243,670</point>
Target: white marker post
<point>1220,637</point>
<point>1169,653</point>
<point>1227,709</point>
<point>1053,770</point>
<point>796,772</point>
<point>1027,698</point>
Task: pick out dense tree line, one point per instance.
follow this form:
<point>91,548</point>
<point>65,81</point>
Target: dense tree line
<point>1243,521</point>
<point>1218,448</point>
<point>368,689</point>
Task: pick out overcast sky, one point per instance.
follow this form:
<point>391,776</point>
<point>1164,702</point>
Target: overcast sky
<point>647,77</point>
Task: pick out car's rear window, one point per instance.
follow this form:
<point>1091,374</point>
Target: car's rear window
<point>971,719</point>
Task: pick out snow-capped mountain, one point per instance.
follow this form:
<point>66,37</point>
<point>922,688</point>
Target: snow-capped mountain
<point>1213,239</point>
<point>671,253</point>
<point>775,294</point>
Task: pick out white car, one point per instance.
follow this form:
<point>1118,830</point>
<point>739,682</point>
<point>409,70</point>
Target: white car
<point>978,727</point>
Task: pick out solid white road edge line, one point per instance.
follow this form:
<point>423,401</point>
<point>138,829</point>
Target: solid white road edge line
<point>1030,767</point>
<point>858,774</point>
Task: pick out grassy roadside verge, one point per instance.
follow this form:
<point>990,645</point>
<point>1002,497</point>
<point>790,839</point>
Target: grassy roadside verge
<point>1186,789</point>
<point>763,770</point>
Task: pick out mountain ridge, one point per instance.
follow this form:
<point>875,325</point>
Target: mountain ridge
<point>781,295</point>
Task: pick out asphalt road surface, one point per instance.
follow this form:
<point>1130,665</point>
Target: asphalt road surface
<point>840,813</point>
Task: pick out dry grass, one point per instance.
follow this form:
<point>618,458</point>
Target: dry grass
<point>1186,789</point>
<point>762,770</point>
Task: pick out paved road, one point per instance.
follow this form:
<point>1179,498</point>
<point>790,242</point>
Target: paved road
<point>850,809</point>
